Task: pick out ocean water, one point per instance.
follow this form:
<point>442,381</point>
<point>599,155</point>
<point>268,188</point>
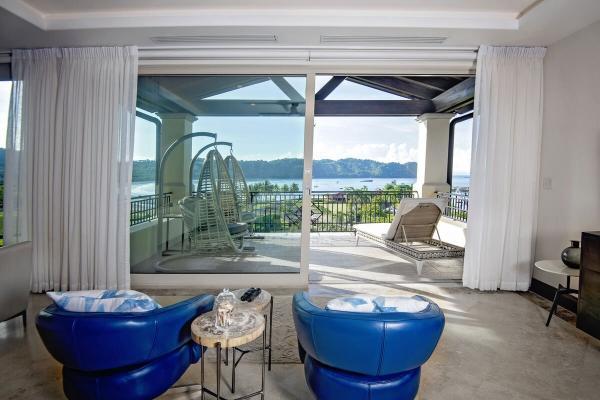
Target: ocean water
<point>329,184</point>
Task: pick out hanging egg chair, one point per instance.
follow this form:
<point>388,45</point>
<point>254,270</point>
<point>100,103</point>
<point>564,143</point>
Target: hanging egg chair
<point>211,216</point>
<point>241,191</point>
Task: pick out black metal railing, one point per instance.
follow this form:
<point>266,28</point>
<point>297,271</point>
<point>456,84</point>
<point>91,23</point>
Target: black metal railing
<point>457,207</point>
<point>335,211</point>
<point>145,208</point>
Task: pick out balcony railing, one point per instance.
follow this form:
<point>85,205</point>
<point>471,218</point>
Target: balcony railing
<point>334,211</point>
<point>457,207</point>
<point>330,211</point>
<point>144,208</point>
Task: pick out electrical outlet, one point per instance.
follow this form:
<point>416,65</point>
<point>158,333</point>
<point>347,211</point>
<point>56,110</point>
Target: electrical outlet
<point>547,183</point>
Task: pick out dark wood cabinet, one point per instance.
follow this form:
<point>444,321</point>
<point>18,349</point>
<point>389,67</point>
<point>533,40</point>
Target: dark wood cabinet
<point>588,304</point>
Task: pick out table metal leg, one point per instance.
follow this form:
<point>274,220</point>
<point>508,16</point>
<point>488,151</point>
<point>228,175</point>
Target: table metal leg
<point>554,305</point>
<point>218,371</point>
<point>233,371</point>
<point>202,353</point>
<point>561,290</point>
<point>270,332</point>
<point>262,386</point>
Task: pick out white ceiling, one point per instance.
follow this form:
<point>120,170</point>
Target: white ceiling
<point>292,24</point>
<point>82,6</point>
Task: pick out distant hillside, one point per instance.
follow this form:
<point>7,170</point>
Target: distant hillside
<point>291,168</point>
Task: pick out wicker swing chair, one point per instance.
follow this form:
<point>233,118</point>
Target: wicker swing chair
<point>240,187</point>
<point>211,216</point>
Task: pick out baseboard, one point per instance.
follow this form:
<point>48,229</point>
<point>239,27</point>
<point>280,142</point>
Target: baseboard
<point>543,289</point>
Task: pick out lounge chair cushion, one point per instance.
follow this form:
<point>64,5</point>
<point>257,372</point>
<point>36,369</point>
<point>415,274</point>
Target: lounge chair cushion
<point>406,206</point>
<point>379,230</point>
<point>103,301</point>
<point>237,228</point>
<point>247,216</point>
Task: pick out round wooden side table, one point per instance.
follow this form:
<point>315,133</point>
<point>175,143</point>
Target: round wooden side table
<point>557,267</point>
<point>247,325</point>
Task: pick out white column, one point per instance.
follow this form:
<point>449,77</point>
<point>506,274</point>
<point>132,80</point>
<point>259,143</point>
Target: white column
<point>432,164</point>
<point>177,166</point>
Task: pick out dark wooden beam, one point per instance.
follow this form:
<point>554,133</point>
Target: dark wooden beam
<point>288,89</point>
<point>248,108</point>
<point>365,108</point>
<point>456,97</point>
<point>329,87</point>
<point>393,85</point>
<point>439,83</point>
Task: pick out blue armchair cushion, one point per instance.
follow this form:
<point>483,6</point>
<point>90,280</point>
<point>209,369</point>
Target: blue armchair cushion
<point>119,301</point>
<point>375,344</point>
<point>145,381</point>
<point>328,383</point>
<point>103,341</point>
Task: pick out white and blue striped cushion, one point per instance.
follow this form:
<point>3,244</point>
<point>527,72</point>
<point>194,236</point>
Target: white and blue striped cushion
<point>103,301</point>
<point>356,303</point>
<point>399,304</point>
<point>377,304</point>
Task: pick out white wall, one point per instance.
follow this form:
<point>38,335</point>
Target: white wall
<point>570,145</point>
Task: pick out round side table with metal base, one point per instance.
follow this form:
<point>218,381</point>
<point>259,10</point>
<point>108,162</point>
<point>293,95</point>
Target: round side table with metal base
<point>557,267</point>
<point>247,325</point>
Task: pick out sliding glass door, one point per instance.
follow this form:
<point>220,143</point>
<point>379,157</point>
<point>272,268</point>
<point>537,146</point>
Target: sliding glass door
<point>218,174</point>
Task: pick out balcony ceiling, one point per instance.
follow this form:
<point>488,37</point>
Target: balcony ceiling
<point>416,95</point>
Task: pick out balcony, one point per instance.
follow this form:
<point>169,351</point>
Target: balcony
<point>276,237</point>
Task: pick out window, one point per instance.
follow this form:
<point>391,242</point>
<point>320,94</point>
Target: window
<point>5,88</point>
<point>461,153</point>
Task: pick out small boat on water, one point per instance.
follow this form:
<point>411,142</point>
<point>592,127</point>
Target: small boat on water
<point>367,180</point>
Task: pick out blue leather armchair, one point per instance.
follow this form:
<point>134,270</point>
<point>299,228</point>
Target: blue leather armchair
<point>364,356</point>
<point>122,355</point>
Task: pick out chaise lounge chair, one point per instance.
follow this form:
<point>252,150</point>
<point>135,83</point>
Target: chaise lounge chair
<point>412,231</point>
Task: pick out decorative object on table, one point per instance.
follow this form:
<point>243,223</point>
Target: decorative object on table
<point>557,267</point>
<point>365,355</point>
<point>245,327</point>
<point>571,256</point>
<point>250,294</point>
<point>224,306</point>
<point>132,356</point>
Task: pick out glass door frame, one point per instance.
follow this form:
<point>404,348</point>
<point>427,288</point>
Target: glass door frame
<point>268,280</point>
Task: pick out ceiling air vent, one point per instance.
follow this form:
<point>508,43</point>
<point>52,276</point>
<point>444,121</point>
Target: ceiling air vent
<point>216,39</point>
<point>383,39</point>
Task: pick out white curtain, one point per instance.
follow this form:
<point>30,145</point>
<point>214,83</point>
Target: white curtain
<point>68,164</point>
<point>504,168</point>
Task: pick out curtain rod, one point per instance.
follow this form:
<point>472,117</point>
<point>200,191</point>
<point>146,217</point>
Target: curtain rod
<point>152,51</point>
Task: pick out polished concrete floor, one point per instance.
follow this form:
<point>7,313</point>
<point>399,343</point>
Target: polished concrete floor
<point>494,346</point>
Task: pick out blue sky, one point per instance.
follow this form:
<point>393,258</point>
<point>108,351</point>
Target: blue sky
<point>384,139</point>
